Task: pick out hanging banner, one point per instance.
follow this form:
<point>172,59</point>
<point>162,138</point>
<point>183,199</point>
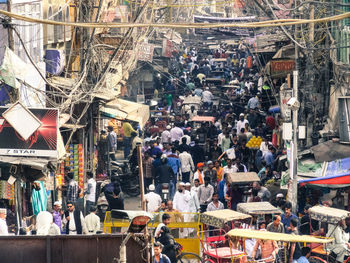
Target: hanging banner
<point>282,66</point>
<point>228,31</point>
<point>285,96</point>
<point>168,48</point>
<point>145,52</point>
<point>42,143</point>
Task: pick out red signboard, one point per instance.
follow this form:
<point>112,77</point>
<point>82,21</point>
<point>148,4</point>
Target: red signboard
<point>43,142</point>
<point>280,66</point>
<point>168,48</point>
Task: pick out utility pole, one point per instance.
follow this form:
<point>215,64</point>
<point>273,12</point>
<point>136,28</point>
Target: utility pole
<point>10,30</point>
<point>142,187</point>
<point>143,202</point>
<point>293,163</point>
<point>293,185</point>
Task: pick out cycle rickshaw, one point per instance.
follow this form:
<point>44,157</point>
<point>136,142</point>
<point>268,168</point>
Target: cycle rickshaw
<point>214,244</point>
<point>237,236</point>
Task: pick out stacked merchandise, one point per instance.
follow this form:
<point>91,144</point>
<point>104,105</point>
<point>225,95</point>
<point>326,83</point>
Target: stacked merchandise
<point>60,178</point>
<point>60,174</point>
<point>76,163</point>
<point>7,191</point>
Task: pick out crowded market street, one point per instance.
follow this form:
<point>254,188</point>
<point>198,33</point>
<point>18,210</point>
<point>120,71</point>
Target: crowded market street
<point>165,131</point>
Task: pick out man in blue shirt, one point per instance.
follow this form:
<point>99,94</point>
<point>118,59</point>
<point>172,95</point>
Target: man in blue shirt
<point>222,190</point>
<point>154,150</point>
<point>305,252</point>
<point>158,256</point>
<point>270,157</point>
<point>287,217</point>
<point>175,164</point>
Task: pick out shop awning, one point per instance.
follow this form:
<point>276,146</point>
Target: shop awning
<point>126,110</point>
<point>329,151</point>
<point>35,163</point>
<point>334,175</point>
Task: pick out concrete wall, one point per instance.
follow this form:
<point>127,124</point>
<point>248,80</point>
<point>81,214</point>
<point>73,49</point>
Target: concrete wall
<point>66,249</point>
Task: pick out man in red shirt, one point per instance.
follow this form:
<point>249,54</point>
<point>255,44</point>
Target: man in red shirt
<point>270,122</point>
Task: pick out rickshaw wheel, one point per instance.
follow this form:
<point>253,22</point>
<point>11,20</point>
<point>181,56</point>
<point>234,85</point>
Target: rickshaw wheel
<point>314,259</point>
<point>188,257</point>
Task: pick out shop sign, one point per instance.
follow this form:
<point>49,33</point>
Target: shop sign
<point>145,52</point>
<point>41,143</point>
<point>121,11</point>
<point>285,95</point>
<point>168,48</point>
<point>282,66</point>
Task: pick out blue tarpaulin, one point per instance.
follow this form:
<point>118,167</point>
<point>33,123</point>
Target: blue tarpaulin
<point>337,174</point>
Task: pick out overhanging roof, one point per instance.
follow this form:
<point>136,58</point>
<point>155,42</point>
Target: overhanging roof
<point>257,208</point>
<point>265,235</point>
<point>35,163</point>
<point>127,110</point>
<point>330,151</point>
<point>249,177</point>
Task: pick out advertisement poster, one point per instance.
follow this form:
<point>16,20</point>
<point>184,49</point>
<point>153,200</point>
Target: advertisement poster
<point>42,143</point>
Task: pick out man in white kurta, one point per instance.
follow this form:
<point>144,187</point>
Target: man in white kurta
<point>3,225</point>
<point>182,199</point>
<point>194,202</point>
<point>152,199</point>
<point>182,203</point>
<point>340,245</point>
<point>92,221</point>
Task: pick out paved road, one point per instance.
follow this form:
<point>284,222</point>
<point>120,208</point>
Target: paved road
<point>132,203</point>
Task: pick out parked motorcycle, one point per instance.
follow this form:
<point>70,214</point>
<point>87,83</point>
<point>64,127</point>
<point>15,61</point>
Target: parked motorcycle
<point>102,203</point>
<point>165,191</point>
<point>126,178</point>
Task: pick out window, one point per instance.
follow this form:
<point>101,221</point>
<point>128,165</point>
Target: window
<point>50,28</point>
<point>60,33</point>
<point>67,28</point>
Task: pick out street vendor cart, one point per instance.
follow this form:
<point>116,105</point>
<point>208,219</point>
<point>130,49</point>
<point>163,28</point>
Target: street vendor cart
<point>215,246</point>
<point>328,218</point>
<point>243,178</point>
<point>237,236</point>
<point>261,210</point>
<point>243,181</point>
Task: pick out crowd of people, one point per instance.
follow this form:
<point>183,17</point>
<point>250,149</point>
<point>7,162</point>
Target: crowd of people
<point>181,153</point>
<point>194,162</point>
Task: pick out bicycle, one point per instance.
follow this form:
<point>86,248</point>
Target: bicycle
<point>186,257</point>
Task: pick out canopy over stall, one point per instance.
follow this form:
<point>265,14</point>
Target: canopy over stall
<point>334,174</point>
<point>257,208</point>
<point>328,214</point>
<point>265,235</point>
<point>127,110</point>
<point>219,218</point>
<point>203,119</point>
<point>243,178</point>
<point>192,100</point>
